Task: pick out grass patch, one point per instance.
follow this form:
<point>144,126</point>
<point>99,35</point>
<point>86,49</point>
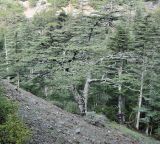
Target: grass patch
<point>134,135</point>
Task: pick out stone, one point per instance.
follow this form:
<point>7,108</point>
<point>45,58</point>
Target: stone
<point>78,131</point>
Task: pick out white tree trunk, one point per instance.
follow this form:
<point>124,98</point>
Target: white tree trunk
<point>6,57</point>
<point>147,129</point>
<point>140,97</point>
<point>79,99</point>
<point>120,91</point>
<point>18,81</point>
<point>31,73</point>
<point>111,5</point>
<point>82,99</point>
<point>120,98</point>
<point>85,91</point>
<point>46,91</point>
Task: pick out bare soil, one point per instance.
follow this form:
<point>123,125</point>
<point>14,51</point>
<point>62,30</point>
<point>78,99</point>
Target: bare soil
<point>52,125</point>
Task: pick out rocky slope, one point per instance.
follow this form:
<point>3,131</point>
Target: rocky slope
<point>83,7</point>
<point>52,125</point>
<point>29,11</point>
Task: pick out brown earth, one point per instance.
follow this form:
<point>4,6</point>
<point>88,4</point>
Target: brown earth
<point>52,125</point>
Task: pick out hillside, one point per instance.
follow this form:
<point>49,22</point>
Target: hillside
<point>85,7</point>
<point>97,60</point>
<point>50,124</point>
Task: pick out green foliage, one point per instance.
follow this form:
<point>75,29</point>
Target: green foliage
<point>6,107</point>
<point>36,86</point>
<point>98,4</point>
<point>12,130</point>
<point>49,54</point>
<point>59,104</point>
<point>9,7</point>
<point>157,132</point>
<point>33,2</point>
<point>55,3</point>
<point>133,134</point>
<point>72,107</point>
<point>1,39</point>
<point>120,41</point>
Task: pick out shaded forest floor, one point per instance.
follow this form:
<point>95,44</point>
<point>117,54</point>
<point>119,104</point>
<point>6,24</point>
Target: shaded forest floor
<point>52,125</point>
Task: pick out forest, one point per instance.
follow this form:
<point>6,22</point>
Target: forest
<point>106,63</point>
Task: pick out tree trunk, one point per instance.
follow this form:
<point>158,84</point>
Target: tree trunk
<point>6,57</point>
<point>18,81</point>
<point>120,91</point>
<point>54,4</point>
<point>151,129</point>
<point>140,97</point>
<point>120,99</point>
<point>147,129</point>
<point>79,99</point>
<point>46,91</point>
<point>31,73</point>
<point>85,91</point>
<point>111,6</point>
<point>82,99</point>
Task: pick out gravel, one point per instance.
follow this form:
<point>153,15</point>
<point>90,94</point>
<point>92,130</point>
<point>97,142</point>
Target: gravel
<point>52,125</point>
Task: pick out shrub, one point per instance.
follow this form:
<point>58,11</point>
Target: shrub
<point>12,130</point>
<point>6,107</point>
<point>58,104</point>
<point>72,107</point>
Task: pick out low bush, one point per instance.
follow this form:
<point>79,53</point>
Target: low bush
<point>72,107</point>
<point>12,129</point>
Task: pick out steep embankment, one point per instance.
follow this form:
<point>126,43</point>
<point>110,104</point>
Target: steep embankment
<point>30,11</point>
<point>52,125</point>
<point>83,7</point>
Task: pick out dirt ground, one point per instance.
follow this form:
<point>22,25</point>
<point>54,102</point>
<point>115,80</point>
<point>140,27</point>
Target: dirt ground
<point>52,125</point>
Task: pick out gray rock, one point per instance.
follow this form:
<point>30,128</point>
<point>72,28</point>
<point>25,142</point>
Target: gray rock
<point>78,131</point>
<point>96,119</point>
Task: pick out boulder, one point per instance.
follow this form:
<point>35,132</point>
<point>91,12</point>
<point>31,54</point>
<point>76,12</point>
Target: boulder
<point>96,119</point>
